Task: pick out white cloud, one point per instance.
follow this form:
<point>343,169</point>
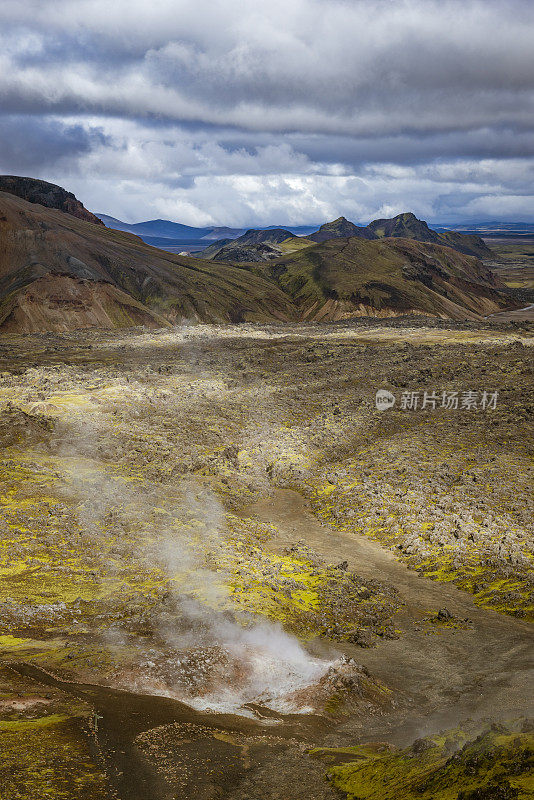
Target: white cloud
<point>256,199</point>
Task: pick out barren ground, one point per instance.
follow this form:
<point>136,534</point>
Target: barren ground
<point>222,567</point>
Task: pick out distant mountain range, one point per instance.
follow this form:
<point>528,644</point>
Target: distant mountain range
<point>161,228</point>
<point>239,245</point>
<point>267,244</point>
<point>177,236</point>
<point>173,236</point>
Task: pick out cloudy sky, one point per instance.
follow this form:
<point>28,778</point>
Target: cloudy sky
<point>251,112</point>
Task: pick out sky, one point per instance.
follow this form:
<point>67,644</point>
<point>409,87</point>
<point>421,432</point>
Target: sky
<point>256,112</point>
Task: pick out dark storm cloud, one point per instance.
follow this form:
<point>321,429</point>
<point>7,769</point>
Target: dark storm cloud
<point>188,90</point>
<point>360,68</point>
<point>404,148</point>
<point>27,143</point>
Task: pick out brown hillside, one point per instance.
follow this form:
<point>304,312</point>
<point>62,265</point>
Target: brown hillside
<point>37,241</point>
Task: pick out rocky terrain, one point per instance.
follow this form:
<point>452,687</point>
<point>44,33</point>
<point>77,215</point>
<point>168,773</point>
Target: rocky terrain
<point>227,573</point>
<point>230,568</point>
<point>259,246</point>
<point>407,226</point>
<point>496,764</point>
<point>237,252</point>
<point>254,245</point>
<point>48,195</point>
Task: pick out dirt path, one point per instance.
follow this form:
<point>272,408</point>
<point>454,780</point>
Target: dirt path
<point>212,764</point>
<point>525,314</point>
<point>441,675</point>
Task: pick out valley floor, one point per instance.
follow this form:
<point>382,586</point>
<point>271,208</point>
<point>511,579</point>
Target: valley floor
<point>227,574</point>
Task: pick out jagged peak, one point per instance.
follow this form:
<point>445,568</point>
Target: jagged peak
<point>338,220</point>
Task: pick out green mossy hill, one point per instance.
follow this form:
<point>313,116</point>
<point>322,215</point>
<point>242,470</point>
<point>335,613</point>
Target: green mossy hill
<point>497,765</point>
<point>346,277</point>
<point>294,244</point>
<point>339,229</point>
<point>407,226</point>
<point>469,244</point>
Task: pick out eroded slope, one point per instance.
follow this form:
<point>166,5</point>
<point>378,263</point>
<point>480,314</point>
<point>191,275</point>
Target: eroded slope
<point>96,267</point>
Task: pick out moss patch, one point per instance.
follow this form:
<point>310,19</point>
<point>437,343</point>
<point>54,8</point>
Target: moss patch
<point>48,758</point>
<point>497,764</point>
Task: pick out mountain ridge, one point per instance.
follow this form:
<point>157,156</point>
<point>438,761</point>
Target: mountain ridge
<point>408,226</point>
<point>62,272</point>
<point>340,278</point>
<point>405,225</point>
<point>176,230</point>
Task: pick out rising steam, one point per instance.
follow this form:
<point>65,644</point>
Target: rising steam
<point>203,650</point>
